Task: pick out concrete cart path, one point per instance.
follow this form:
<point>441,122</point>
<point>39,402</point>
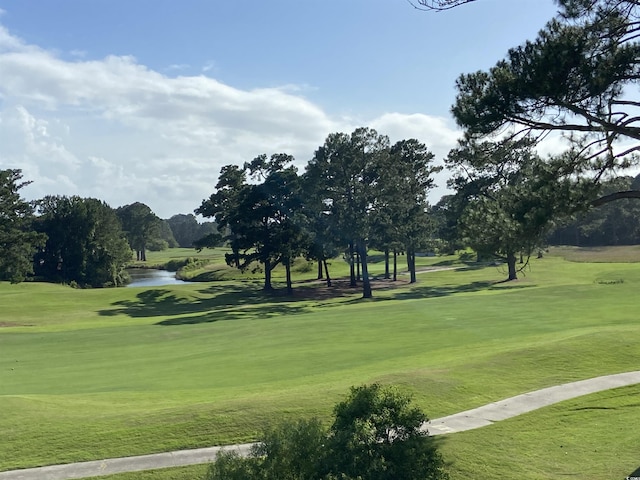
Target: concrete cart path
<point>511,407</point>
<point>467,420</point>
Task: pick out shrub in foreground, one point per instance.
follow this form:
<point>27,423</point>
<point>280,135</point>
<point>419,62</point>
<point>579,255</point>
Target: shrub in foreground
<point>376,435</point>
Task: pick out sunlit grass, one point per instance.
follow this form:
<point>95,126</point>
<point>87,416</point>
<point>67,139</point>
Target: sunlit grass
<point>88,374</point>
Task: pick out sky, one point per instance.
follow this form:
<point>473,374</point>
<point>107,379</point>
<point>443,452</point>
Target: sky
<point>145,100</point>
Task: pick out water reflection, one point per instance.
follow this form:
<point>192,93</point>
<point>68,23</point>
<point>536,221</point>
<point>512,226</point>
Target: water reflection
<point>149,277</point>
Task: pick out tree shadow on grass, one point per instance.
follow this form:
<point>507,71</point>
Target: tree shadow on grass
<point>427,291</point>
<point>215,302</point>
<point>262,312</point>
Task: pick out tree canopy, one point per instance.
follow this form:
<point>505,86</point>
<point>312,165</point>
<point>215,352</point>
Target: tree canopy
<point>510,198</point>
<point>18,240</point>
<point>577,77</point>
<point>85,244</point>
<point>261,217</point>
<point>377,434</point>
<point>141,227</point>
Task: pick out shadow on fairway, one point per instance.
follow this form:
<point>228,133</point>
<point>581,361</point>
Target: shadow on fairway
<point>426,291</point>
<point>263,312</point>
<point>217,303</point>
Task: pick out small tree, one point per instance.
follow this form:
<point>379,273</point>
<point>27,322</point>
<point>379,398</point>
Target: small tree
<point>376,435</point>
<point>261,217</point>
<point>511,197</point>
<point>141,226</point>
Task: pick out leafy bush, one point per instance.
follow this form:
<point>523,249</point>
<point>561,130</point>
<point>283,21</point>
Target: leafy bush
<point>376,435</point>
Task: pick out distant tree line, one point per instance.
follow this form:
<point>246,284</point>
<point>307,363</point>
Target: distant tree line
<point>79,241</point>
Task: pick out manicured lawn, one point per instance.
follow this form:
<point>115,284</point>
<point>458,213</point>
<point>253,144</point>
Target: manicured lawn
<point>591,438</point>
<point>87,374</point>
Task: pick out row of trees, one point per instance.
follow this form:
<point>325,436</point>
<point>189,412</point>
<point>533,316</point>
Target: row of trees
<point>575,78</point>
<point>358,191</point>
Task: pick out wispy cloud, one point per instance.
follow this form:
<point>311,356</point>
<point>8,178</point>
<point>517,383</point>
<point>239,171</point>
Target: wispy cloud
<point>209,66</point>
<point>178,66</point>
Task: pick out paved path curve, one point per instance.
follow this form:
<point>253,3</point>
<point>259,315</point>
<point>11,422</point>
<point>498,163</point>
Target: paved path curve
<point>459,422</point>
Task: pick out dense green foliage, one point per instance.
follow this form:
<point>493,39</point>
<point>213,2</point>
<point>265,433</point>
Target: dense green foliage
<point>18,240</point>
<point>262,216</point>
<point>85,242</point>
<point>376,434</point>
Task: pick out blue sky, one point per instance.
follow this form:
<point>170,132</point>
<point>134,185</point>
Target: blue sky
<point>145,100</point>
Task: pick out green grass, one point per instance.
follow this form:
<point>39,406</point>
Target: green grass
<point>621,254</point>
<point>591,438</point>
<point>587,437</point>
<point>88,374</point>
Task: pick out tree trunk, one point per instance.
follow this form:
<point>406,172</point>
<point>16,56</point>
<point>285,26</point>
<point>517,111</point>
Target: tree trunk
<point>319,269</point>
<point>366,284</point>
<point>352,266</point>
<point>395,265</point>
<point>386,263</point>
<point>511,265</point>
<point>411,264</point>
<point>267,276</point>
<point>358,277</point>
<point>287,267</point>
<point>326,273</point>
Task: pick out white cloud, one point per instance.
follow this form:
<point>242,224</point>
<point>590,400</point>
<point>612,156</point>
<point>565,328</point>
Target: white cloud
<point>119,131</point>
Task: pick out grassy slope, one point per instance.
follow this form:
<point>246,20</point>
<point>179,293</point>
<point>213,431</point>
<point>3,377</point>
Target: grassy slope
<point>101,373</point>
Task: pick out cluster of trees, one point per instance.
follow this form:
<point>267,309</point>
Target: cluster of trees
<point>575,78</point>
<point>74,240</point>
<point>376,434</point>
<point>358,191</point>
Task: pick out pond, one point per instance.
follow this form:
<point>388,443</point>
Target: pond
<point>149,277</point>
